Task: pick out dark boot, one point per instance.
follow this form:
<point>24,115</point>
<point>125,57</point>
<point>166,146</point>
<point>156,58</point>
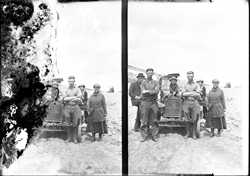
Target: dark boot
<point>194,131</point>
<point>187,131</point>
<point>219,133</point>
<point>68,134</point>
<point>143,139</point>
<point>93,137</point>
<point>100,136</point>
<point>154,138</point>
<point>212,132</point>
<point>75,134</point>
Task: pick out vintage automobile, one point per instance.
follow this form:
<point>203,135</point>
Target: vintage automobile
<point>55,120</point>
<point>171,114</point>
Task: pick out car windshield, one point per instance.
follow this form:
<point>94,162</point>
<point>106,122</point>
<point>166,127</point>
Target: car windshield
<point>165,83</point>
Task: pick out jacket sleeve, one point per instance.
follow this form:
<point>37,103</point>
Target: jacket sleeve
<point>223,100</point>
<point>104,105</point>
<point>131,91</point>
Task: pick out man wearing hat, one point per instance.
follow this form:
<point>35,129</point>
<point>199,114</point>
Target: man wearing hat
<point>84,98</point>
<point>150,90</point>
<point>72,111</point>
<point>55,90</point>
<point>202,100</point>
<point>135,93</point>
<point>191,107</point>
<point>173,87</point>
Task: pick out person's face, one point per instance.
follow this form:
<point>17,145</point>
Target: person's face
<point>140,79</point>
<point>190,77</point>
<point>150,74</point>
<point>96,89</point>
<point>173,81</point>
<point>54,89</point>
<point>71,82</point>
<point>200,83</point>
<point>82,88</point>
<point>215,85</point>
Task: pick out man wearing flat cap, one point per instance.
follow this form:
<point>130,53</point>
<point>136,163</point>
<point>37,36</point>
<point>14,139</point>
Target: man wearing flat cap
<point>72,111</point>
<point>135,93</point>
<point>150,90</point>
<point>191,107</point>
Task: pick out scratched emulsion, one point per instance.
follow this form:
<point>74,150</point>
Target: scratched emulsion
<point>28,58</point>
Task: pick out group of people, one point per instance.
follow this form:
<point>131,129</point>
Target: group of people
<point>144,95</point>
<point>77,108</point>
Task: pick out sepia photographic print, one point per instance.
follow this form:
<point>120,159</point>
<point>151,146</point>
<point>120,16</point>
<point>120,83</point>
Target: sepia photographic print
<point>61,79</point>
<point>188,87</point>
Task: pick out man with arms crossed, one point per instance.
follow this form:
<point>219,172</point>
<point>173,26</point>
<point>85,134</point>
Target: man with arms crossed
<point>149,106</point>
<point>72,111</point>
<point>191,106</point>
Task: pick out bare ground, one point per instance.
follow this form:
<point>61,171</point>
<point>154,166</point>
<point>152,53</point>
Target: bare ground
<point>51,155</point>
<point>174,154</point>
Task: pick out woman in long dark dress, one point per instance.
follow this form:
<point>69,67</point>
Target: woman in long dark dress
<point>217,108</point>
<point>98,113</point>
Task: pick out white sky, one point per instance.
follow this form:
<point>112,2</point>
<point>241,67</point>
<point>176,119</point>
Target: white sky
<point>89,43</point>
<point>209,38</point>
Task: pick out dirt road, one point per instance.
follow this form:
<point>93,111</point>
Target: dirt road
<point>52,156</point>
<point>174,154</point>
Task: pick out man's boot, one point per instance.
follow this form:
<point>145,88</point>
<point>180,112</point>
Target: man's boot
<point>100,136</point>
<point>212,132</point>
<point>154,138</point>
<point>187,131</point>
<point>68,134</point>
<point>75,134</point>
<point>93,137</point>
<point>219,133</point>
<point>194,131</point>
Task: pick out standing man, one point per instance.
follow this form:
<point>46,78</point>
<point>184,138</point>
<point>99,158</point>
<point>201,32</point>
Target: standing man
<point>72,111</point>
<point>135,93</point>
<point>202,100</point>
<point>84,98</point>
<point>149,106</point>
<point>191,106</point>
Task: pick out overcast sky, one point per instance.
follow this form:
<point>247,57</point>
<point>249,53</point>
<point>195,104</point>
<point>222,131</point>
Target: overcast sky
<point>209,38</point>
<point>89,43</point>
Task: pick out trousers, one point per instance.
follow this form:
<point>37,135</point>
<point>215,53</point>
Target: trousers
<point>149,121</point>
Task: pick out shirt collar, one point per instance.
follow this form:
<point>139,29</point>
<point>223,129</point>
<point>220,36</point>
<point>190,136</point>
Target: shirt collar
<point>72,87</point>
<point>215,89</point>
<point>149,80</point>
<point>190,82</point>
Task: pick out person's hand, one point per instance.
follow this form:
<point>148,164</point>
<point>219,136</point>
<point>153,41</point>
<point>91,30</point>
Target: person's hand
<point>137,97</point>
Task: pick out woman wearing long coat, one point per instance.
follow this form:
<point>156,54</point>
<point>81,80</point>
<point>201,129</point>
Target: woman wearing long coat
<point>217,107</point>
<point>98,113</point>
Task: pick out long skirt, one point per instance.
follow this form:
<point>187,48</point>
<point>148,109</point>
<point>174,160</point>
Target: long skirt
<point>97,127</point>
<point>215,122</point>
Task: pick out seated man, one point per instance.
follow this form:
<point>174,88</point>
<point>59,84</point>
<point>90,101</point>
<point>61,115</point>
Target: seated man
<point>173,87</point>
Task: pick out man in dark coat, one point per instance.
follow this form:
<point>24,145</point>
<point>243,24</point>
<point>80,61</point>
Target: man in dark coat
<point>135,93</point>
<point>83,105</point>
<point>202,100</point>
